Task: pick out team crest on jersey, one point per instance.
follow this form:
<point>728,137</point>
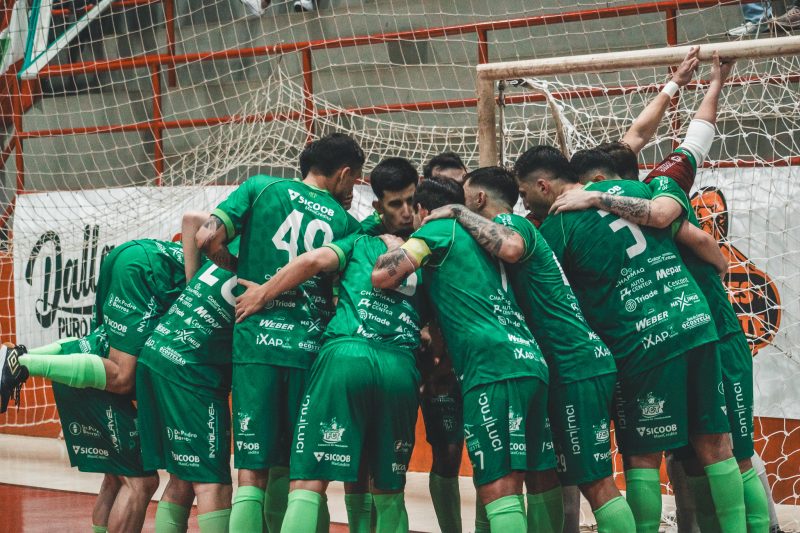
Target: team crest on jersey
<point>514,421</point>
<point>651,405</point>
<point>753,293</point>
<point>332,432</point>
<point>244,421</point>
<point>601,432</point>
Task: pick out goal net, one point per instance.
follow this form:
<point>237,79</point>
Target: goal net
<point>160,106</point>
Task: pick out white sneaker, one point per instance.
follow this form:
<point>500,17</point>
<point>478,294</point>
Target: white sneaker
<point>748,29</point>
<point>305,5</point>
<point>255,7</point>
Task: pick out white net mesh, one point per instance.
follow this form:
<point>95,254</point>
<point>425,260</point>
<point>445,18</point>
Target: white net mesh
<point>114,148</point>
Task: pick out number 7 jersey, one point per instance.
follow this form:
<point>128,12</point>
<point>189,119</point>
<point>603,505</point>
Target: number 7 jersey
<point>279,219</point>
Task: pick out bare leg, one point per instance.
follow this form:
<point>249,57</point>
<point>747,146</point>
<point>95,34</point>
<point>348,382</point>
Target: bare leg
<point>212,497</point>
<point>178,491</point>
<point>105,499</point>
<point>128,512</point>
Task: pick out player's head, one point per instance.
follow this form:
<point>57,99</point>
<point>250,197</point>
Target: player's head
<point>493,187</point>
<point>593,165</point>
<point>625,161</point>
<point>338,159</point>
<point>435,192</point>
<point>394,181</point>
<point>542,171</point>
<point>445,165</point>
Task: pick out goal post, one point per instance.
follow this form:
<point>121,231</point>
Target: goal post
<point>488,74</point>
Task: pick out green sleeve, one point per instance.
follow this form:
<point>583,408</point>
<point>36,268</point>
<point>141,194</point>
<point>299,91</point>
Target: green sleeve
<point>554,233</point>
<point>524,227</point>
<point>234,209</point>
<point>662,186</point>
<point>353,225</point>
<point>438,236</point>
<point>344,248</point>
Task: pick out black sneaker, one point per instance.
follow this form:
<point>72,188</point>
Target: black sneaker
<point>12,375</point>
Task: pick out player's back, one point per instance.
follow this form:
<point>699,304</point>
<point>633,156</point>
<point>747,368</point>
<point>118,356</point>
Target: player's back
<point>482,325</point>
<point>616,269</point>
<point>279,219</point>
<point>389,317</point>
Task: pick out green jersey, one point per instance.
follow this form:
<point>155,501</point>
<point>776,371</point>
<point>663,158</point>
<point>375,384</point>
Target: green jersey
<point>388,317</point>
<point>279,219</point>
<point>573,351</point>
<point>482,325</point>
<point>191,345</point>
<point>617,269</point>
<point>706,275</point>
<point>373,225</point>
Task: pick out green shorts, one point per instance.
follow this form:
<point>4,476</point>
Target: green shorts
<point>650,409</point>
<point>100,431</point>
<point>443,415</point>
<point>507,428</point>
<point>266,401</point>
<point>185,431</point>
<point>580,413</point>
<point>361,404</point>
<point>135,296</point>
<point>706,396</point>
<point>737,379</point>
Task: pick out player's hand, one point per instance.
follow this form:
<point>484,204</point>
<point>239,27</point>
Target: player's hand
<point>574,200</point>
<point>447,211</point>
<point>391,241</point>
<point>685,71</point>
<point>251,301</point>
<point>720,68</point>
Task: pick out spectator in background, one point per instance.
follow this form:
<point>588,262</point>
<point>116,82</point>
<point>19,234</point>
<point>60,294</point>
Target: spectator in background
<point>756,17</point>
<point>789,20</point>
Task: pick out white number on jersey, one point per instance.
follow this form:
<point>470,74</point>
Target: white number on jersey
<point>291,228</point>
<point>226,290</point>
<point>640,245</point>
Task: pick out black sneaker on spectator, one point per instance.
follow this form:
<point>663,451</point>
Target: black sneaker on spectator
<point>789,20</point>
<point>255,7</point>
<point>748,29</point>
<point>12,375</point>
<point>305,5</point>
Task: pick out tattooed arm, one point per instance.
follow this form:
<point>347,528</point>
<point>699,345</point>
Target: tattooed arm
<point>211,240</point>
<point>703,245</point>
<point>658,213</point>
<point>393,267</point>
<point>190,224</point>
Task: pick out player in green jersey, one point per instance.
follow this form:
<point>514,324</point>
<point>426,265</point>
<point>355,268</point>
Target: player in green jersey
<point>582,370</point>
<point>393,182</point>
<point>279,219</point>
<point>445,165</point>
<point>661,322</point>
<point>497,360</point>
<point>138,281</point>
<point>368,352</point>
<point>670,205</point>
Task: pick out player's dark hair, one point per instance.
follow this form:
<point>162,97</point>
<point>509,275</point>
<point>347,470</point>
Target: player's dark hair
<point>625,160</point>
<point>498,181</point>
<point>444,160</point>
<point>330,153</point>
<point>436,192</point>
<point>543,157</point>
<point>587,163</point>
<point>392,174</point>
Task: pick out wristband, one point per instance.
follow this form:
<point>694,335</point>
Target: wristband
<point>671,89</point>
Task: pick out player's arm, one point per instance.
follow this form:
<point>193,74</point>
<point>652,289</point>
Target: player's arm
<point>703,245</point>
<point>500,241</point>
<point>646,124</point>
<point>212,240</point>
<point>657,213</point>
<point>190,224</point>
<point>297,271</point>
<point>398,262</point>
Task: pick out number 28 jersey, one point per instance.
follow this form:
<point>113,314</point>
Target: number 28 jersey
<point>279,219</point>
<point>619,272</point>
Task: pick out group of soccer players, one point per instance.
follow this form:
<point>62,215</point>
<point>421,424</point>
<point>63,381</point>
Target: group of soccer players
<point>329,335</point>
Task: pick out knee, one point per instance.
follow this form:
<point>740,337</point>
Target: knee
<point>544,481</point>
<point>447,460</point>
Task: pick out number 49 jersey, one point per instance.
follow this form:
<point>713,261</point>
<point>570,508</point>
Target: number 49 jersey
<point>279,219</point>
<point>621,273</point>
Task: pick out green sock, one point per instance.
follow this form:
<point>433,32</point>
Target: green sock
<point>215,521</point>
<point>644,498</point>
<point>727,491</point>
<point>54,348</point>
<point>359,512</point>
<point>615,516</point>
<point>481,520</point>
<point>755,503</point>
<point>246,513</point>
<point>507,515</point>
<point>391,512</point>
<point>99,529</point>
<point>80,370</point>
<point>276,497</point>
<point>302,511</point>
<point>324,517</point>
<point>705,515</point>
<point>446,499</point>
<point>546,511</point>
<point>171,518</point>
